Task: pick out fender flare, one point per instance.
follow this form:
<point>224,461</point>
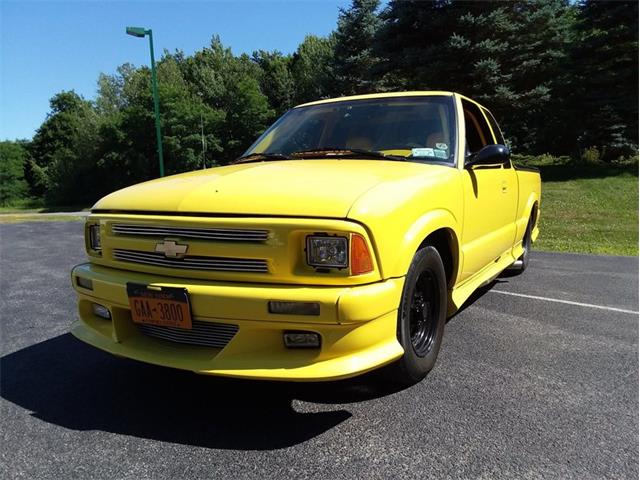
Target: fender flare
<point>522,222</point>
<point>531,201</point>
<point>419,231</point>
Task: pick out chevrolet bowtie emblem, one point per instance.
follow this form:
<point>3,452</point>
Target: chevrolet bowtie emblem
<point>171,249</point>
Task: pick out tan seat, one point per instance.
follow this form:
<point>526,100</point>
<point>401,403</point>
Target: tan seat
<point>435,138</point>
<point>362,143</point>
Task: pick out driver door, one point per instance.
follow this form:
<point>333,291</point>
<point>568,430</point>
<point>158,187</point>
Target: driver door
<point>490,199</point>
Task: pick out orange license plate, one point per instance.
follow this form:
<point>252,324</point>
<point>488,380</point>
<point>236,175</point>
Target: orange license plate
<point>163,306</point>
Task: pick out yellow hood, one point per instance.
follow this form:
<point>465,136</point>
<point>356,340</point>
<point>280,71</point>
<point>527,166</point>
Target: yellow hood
<point>305,188</point>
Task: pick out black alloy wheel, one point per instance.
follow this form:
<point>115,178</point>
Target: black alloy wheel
<point>421,317</point>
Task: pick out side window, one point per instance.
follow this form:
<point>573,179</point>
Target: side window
<point>494,126</point>
<point>478,132</point>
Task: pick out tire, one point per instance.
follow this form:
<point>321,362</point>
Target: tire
<point>421,317</point>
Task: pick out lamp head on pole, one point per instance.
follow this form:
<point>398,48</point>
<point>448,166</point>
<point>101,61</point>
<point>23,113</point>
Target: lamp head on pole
<point>139,32</point>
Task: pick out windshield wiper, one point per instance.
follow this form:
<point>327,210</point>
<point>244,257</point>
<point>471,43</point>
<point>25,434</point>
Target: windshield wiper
<point>261,157</point>
<point>346,152</point>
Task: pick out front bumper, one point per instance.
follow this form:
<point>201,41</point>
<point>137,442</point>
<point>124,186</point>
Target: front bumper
<point>357,325</point>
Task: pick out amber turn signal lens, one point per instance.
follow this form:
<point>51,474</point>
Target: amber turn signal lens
<point>360,256</point>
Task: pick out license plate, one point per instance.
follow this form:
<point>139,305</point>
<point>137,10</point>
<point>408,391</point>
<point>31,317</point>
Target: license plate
<point>163,306</point>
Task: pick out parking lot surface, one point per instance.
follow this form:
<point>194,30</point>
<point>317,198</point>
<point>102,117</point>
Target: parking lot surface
<point>537,378</point>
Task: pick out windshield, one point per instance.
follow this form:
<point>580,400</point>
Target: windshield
<point>419,128</point>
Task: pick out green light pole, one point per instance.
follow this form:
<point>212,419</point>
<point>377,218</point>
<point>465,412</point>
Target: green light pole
<point>140,32</point>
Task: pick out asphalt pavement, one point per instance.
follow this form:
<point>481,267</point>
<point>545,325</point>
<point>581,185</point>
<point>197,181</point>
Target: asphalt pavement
<point>537,378</point>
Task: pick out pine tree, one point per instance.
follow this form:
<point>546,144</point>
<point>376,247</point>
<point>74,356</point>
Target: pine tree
<point>605,77</point>
<point>504,54</point>
<point>353,58</point>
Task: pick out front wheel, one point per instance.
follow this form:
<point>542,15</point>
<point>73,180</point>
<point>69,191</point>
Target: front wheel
<point>421,317</point>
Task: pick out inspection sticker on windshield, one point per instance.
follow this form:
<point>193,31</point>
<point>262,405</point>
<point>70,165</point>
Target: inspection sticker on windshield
<point>422,152</point>
<point>440,153</point>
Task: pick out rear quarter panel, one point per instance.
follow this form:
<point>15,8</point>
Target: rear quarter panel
<point>529,196</point>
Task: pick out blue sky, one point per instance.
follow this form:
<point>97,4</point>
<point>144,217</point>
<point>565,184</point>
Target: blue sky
<point>46,47</point>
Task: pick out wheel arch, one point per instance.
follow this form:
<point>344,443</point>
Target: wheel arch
<point>532,209</point>
<point>444,240</point>
<point>535,212</point>
<point>440,230</point>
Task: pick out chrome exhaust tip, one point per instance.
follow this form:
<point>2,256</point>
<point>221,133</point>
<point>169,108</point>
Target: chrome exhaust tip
<point>516,265</point>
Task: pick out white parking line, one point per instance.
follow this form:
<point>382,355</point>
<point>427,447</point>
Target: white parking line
<point>568,302</point>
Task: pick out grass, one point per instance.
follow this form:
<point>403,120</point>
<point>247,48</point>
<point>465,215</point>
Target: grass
<point>588,208</point>
<point>30,205</point>
<point>35,217</point>
<point>30,210</point>
<point>24,205</point>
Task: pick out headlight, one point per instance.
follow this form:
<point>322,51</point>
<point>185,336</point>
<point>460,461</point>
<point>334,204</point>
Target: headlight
<point>94,237</point>
<point>329,252</point>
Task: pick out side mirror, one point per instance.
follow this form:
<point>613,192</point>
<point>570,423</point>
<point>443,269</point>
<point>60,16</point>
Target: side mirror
<point>489,156</point>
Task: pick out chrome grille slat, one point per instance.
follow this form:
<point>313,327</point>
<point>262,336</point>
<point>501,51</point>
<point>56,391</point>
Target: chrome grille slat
<point>186,232</point>
<point>222,264</point>
<point>223,234</point>
<point>206,334</point>
<point>163,233</point>
<point>222,260</point>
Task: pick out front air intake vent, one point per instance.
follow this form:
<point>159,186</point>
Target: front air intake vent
<point>191,262</point>
<point>205,334</point>
<point>219,234</point>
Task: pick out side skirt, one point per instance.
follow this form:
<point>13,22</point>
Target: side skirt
<point>462,292</point>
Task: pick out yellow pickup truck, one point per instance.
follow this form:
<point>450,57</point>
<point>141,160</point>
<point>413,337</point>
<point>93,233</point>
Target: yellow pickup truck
<point>337,244</point>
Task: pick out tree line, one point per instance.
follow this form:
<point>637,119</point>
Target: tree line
<point>560,77</point>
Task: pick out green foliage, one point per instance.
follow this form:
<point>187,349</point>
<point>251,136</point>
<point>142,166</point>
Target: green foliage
<point>605,76</point>
<point>12,183</point>
<point>63,150</point>
<point>276,79</point>
<point>71,176</point>
<point>63,123</point>
<point>247,117</point>
<point>560,76</point>
<point>590,155</point>
<point>311,68</point>
<point>353,58</point>
<point>503,54</point>
<point>230,86</point>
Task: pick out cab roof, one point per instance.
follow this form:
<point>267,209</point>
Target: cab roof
<point>378,95</point>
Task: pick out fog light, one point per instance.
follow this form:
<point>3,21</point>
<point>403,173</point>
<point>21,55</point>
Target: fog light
<point>294,308</point>
<point>301,340</point>
<point>101,311</point>
<point>84,283</point>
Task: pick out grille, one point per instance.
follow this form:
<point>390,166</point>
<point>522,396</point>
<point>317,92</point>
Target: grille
<point>218,264</point>
<point>205,334</point>
<point>224,234</point>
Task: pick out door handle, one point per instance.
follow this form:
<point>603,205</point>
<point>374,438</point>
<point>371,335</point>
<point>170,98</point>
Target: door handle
<point>504,187</point>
